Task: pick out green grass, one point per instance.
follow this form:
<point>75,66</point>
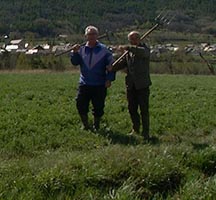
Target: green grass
<point>45,155</point>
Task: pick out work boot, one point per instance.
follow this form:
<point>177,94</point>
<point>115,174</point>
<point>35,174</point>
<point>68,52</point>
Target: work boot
<point>135,118</point>
<point>96,124</point>
<point>136,128</point>
<point>134,132</point>
<point>146,136</point>
<point>84,119</point>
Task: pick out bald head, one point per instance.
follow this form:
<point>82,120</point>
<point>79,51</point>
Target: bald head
<point>134,37</point>
<point>91,29</point>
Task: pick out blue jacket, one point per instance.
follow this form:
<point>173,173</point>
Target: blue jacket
<point>93,63</point>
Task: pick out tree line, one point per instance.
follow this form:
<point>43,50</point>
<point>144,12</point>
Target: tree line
<point>48,18</point>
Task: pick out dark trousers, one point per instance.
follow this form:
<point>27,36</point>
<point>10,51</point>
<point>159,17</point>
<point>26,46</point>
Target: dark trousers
<point>94,94</point>
<point>139,99</point>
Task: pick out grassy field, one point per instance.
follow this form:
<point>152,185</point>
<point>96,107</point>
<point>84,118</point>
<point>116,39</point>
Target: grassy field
<point>45,155</point>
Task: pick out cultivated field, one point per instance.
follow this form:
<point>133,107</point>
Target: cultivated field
<point>45,155</point>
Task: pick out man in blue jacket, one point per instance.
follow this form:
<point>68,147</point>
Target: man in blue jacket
<point>93,59</point>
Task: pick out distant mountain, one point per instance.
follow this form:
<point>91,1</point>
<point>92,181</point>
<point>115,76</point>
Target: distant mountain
<point>48,18</point>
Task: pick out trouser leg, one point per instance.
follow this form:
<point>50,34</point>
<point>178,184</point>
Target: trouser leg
<point>143,98</point>
<point>98,102</point>
<point>82,104</point>
<point>133,108</point>
<point>84,119</point>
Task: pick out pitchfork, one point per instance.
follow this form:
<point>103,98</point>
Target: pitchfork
<point>161,19</point>
<point>210,66</point>
<point>105,35</point>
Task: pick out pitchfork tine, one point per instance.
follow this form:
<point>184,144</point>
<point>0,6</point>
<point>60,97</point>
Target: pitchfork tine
<point>160,14</point>
<point>170,19</point>
<point>164,16</point>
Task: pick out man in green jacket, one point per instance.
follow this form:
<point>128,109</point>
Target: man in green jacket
<point>137,82</point>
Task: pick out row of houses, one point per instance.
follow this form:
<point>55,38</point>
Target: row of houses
<point>20,46</point>
<point>190,48</point>
<point>203,47</point>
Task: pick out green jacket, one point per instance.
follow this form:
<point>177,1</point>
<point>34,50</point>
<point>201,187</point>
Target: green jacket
<point>136,63</point>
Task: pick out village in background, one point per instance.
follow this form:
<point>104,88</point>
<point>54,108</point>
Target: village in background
<point>20,54</point>
<point>21,46</point>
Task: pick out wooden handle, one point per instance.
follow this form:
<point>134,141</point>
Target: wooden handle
<point>211,68</point>
<point>149,31</point>
<point>122,56</point>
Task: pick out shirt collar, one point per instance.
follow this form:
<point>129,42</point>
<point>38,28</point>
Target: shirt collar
<point>97,44</point>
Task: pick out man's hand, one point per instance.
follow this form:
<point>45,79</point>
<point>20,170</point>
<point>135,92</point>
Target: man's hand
<point>122,48</point>
<point>108,84</point>
<point>109,68</point>
<point>75,48</point>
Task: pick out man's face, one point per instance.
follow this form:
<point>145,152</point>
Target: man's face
<point>134,39</point>
<point>91,35</point>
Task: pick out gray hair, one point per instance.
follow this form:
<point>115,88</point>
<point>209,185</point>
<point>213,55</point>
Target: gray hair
<point>91,28</point>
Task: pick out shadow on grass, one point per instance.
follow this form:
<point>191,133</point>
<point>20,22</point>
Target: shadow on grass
<point>199,146</point>
<point>117,137</point>
<point>154,140</point>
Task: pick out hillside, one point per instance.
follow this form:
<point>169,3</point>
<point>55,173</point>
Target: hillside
<point>48,18</point>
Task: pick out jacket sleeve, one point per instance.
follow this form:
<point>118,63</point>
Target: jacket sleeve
<point>110,75</point>
<point>140,51</point>
<point>75,59</point>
